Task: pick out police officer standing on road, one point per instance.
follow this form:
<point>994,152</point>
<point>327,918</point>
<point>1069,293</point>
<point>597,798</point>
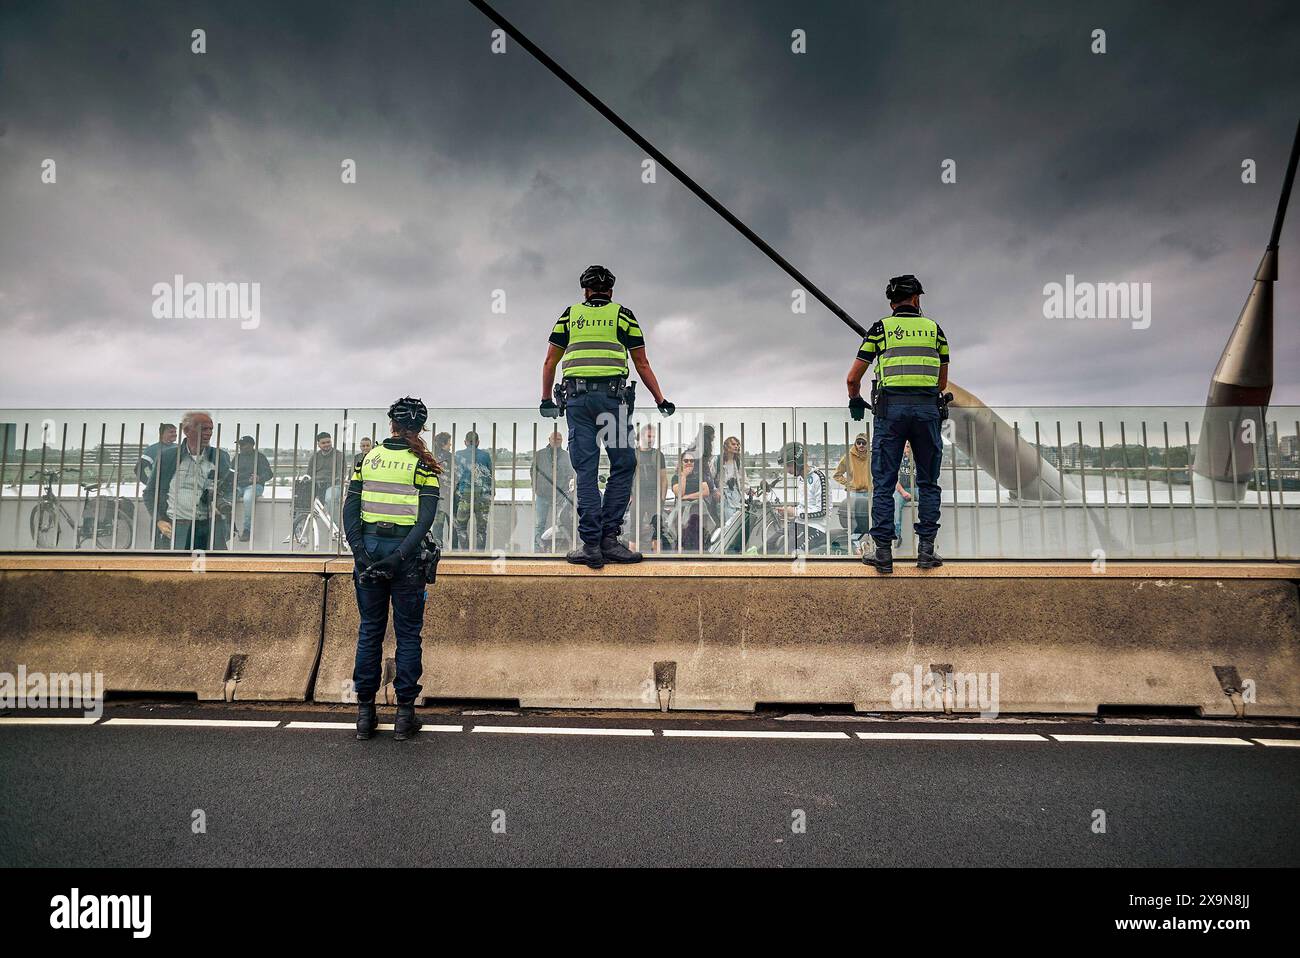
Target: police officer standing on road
<point>593,339</point>
<point>911,356</point>
<point>391,504</point>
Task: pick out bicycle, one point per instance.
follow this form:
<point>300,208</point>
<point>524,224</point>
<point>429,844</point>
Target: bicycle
<point>309,513</point>
<point>107,520</point>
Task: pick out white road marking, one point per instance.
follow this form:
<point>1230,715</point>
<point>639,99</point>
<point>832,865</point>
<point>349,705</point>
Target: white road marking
<point>1064,738</point>
<point>1151,739</point>
<point>207,723</point>
<point>388,727</point>
<point>953,736</point>
<point>742,733</point>
<point>561,730</point>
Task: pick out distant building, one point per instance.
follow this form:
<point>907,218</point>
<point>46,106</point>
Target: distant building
<point>8,440</point>
<point>114,459</point>
<point>1072,456</point>
<point>1287,449</point>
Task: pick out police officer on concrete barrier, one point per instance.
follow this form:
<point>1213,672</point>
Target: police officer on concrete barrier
<point>592,340</point>
<point>911,356</point>
<point>391,504</point>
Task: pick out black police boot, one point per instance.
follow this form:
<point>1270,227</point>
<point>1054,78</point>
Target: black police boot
<point>926,557</point>
<point>367,720</point>
<point>588,554</point>
<point>882,559</point>
<point>615,551</point>
<point>407,724</point>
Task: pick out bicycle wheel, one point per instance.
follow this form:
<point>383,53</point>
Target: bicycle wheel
<point>116,526</point>
<point>300,528</point>
<point>45,527</point>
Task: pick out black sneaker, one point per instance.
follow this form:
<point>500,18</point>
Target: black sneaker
<point>926,557</point>
<point>615,551</point>
<point>367,720</point>
<point>882,559</point>
<point>407,724</point>
<point>588,554</point>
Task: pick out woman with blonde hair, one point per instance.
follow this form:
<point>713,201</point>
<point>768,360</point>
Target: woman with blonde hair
<point>731,478</point>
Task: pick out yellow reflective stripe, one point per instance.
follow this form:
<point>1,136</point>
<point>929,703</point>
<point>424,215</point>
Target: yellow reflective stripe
<point>906,368</point>
<point>369,498</point>
<point>594,372</point>
<point>911,372</point>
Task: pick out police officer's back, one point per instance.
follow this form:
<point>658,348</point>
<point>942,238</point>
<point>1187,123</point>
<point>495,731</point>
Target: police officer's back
<point>911,356</point>
<point>593,340</point>
<point>391,504</point>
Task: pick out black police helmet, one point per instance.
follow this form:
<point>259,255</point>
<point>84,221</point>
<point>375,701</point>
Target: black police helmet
<point>597,278</point>
<point>903,287</point>
<point>408,413</point>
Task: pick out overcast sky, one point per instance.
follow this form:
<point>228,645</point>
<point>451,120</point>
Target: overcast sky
<point>479,172</point>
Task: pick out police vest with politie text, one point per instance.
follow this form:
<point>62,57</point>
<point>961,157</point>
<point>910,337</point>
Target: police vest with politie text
<point>595,349</point>
<point>908,348</point>
<point>391,478</point>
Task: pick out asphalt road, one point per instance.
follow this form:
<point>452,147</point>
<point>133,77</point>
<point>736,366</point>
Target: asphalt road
<point>127,795</point>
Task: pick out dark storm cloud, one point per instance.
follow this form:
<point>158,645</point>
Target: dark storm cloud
<point>479,173</point>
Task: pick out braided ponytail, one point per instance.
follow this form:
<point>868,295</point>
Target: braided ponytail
<point>418,447</point>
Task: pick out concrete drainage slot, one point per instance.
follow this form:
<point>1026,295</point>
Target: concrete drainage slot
<point>768,709</point>
<point>1149,711</point>
<point>477,705</point>
<point>149,697</point>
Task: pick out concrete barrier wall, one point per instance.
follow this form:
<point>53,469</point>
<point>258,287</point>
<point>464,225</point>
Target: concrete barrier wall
<point>152,630</point>
<point>688,635</point>
<point>728,638</point>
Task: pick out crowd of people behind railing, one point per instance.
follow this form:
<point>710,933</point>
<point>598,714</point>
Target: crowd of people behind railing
<point>689,508</point>
<point>192,489</point>
<point>199,497</point>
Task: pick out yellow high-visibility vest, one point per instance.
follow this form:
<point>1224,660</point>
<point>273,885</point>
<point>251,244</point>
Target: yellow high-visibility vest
<point>392,478</point>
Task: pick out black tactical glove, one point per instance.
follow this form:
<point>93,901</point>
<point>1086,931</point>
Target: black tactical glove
<point>857,408</point>
<point>362,560</point>
<point>667,408</point>
<point>549,409</point>
<point>387,567</point>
